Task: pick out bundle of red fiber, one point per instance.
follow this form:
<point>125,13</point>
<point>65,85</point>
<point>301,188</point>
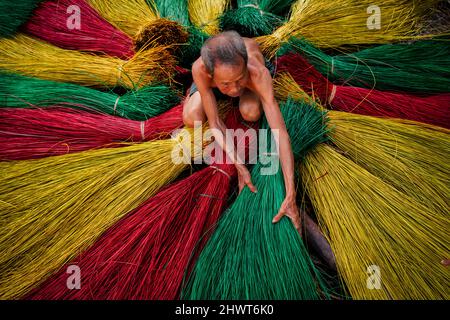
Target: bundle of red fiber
<point>51,22</point>
<point>146,255</point>
<point>36,133</point>
<point>432,109</point>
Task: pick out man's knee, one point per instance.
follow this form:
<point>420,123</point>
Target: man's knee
<point>251,111</point>
<point>193,112</point>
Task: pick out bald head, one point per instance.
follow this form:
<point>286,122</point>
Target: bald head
<point>225,48</point>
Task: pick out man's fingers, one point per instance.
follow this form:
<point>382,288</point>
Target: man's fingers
<point>251,187</point>
<point>278,217</point>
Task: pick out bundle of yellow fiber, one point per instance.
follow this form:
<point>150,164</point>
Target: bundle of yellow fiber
<point>331,24</point>
<point>410,156</point>
<point>32,57</point>
<point>205,14</point>
<point>387,244</point>
<point>52,209</point>
<point>141,21</point>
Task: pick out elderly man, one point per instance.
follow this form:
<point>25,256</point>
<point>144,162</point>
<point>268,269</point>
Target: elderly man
<point>234,66</point>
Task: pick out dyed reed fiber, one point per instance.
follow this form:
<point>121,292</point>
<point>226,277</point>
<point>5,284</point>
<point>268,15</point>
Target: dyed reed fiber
<point>190,51</point>
<point>145,255</point>
<point>176,10</point>
<point>130,16</point>
<point>31,57</point>
<point>248,257</point>
<point>141,21</point>
<point>255,18</point>
<point>13,14</point>
<point>17,91</point>
<point>49,23</point>
<point>370,224</point>
<point>54,208</point>
<point>37,133</point>
<point>331,24</point>
<point>433,109</point>
<point>205,14</point>
<point>410,156</point>
<point>418,67</point>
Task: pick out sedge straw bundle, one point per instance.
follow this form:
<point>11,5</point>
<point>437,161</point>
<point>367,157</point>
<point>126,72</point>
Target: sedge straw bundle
<point>31,57</point>
<point>205,14</point>
<point>418,67</point>
<point>15,13</point>
<point>410,156</point>
<point>17,91</point>
<point>433,109</point>
<point>176,10</point>
<point>54,208</point>
<point>255,18</point>
<point>248,257</point>
<point>50,23</point>
<point>140,20</point>
<point>145,255</point>
<point>331,24</point>
<point>387,245</point>
<point>37,133</point>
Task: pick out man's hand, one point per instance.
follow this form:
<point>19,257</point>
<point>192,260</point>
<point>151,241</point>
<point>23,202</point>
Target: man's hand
<point>289,208</point>
<point>244,178</point>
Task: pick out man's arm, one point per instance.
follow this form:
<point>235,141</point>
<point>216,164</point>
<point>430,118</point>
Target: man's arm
<point>264,88</point>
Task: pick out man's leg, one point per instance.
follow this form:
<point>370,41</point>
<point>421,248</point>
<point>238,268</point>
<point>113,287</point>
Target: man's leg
<point>193,110</point>
<point>250,106</point>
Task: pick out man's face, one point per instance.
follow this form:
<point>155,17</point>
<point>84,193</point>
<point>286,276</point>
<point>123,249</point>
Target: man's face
<point>231,79</point>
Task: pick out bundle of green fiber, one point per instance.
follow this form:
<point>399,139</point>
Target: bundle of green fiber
<point>387,244</point>
<point>410,156</point>
<point>53,208</point>
<point>332,24</point>
<point>190,51</point>
<point>205,14</point>
<point>15,13</point>
<point>32,57</point>
<point>254,18</point>
<point>248,257</point>
<point>418,67</point>
<point>176,10</point>
<point>18,91</point>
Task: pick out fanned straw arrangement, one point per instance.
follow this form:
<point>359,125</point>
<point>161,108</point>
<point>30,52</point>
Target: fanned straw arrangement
<point>36,133</point>
<point>151,247</point>
<point>205,14</point>
<point>17,91</point>
<point>420,67</point>
<point>53,215</point>
<point>248,257</point>
<point>31,57</point>
<point>94,170</point>
<point>410,156</point>
<point>331,24</point>
<point>373,226</point>
<point>433,109</point>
